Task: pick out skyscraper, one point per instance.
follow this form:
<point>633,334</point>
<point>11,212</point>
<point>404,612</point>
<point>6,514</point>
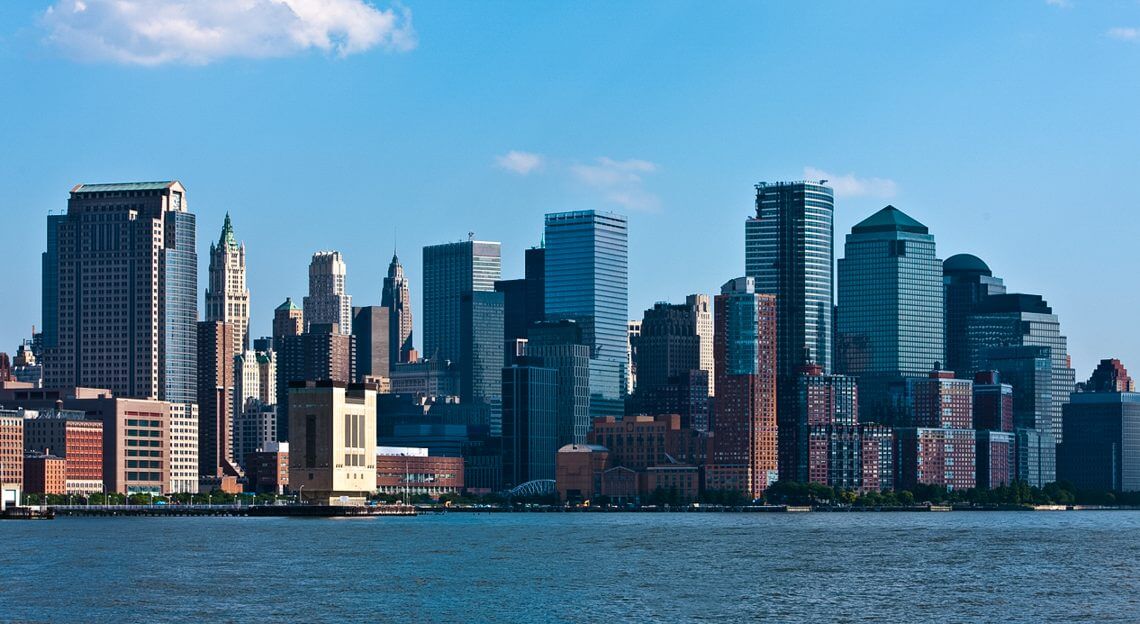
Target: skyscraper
<point>530,427</point>
<point>1101,451</point>
<point>744,441</point>
<point>327,301</point>
<point>320,354</point>
<point>120,287</point>
<point>890,307</point>
<point>1013,320</point>
<point>450,270</point>
<point>227,298</point>
<point>822,444</point>
<point>288,320</point>
<point>481,352</point>
<point>398,300</point>
<point>702,310</point>
<point>523,303</point>
<point>669,351</point>
<point>371,332</point>
<point>967,281</point>
<point>587,281</point>
<point>1029,370</point>
<point>559,345</point>
<point>215,399</point>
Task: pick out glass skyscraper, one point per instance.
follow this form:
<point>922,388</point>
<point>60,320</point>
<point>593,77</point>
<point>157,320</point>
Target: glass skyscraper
<point>967,281</point>
<point>890,307</point>
<point>587,281</point>
<point>450,270</point>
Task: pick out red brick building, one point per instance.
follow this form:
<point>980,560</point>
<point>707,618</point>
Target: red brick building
<point>877,458</point>
<point>401,470</point>
<point>45,474</point>
<point>578,471</point>
<point>68,434</point>
<point>941,401</point>
<point>12,447</point>
<point>993,403</point>
<point>942,457</point>
<point>267,470</point>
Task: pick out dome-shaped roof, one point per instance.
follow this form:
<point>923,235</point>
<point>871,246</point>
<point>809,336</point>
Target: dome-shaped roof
<point>965,263</point>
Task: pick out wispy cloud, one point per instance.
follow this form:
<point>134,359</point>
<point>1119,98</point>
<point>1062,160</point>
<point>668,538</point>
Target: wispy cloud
<point>521,163</point>
<point>848,185</point>
<point>1061,4</point>
<point>1123,34</point>
<point>198,32</point>
<point>619,181</point>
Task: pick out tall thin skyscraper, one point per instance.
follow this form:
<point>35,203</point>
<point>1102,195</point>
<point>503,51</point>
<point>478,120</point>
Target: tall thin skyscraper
<point>967,281</point>
<point>702,310</point>
<point>587,281</point>
<point>450,271</point>
<point>890,308</point>
<point>120,283</point>
<point>397,298</point>
<point>215,399</point>
<point>327,301</point>
<point>788,250</point>
<point>227,298</point>
<point>523,304</point>
<point>744,431</point>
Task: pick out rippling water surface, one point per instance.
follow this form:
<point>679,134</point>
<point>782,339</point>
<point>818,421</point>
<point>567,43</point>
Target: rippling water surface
<point>1027,567</point>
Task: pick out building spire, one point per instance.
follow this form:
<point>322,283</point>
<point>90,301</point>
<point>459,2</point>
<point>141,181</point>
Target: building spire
<point>227,238</point>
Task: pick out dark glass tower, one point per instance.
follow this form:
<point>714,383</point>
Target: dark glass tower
<point>890,308</point>
<point>530,430</point>
<point>587,281</point>
<point>481,352</point>
<point>450,270</point>
<point>966,281</point>
<point>523,302</point>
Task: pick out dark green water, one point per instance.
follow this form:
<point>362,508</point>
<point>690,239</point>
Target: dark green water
<point>984,567</point>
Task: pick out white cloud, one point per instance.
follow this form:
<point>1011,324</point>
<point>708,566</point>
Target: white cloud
<point>847,185</point>
<point>619,181</point>
<point>1123,34</point>
<point>197,32</point>
<point>1062,4</point>
<point>521,163</point>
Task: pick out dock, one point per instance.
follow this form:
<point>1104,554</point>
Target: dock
<point>259,511</point>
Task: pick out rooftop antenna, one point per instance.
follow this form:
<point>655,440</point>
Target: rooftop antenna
<point>471,236</point>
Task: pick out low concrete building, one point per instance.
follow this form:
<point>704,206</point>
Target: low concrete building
<point>332,437</point>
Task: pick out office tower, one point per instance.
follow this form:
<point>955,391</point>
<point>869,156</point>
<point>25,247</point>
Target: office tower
<point>320,354</point>
<point>701,306</point>
<point>890,307</point>
<point>744,442</point>
<point>1101,451</point>
<point>559,345</point>
<point>993,402</point>
<point>632,336</point>
<point>481,352</point>
<point>1014,320</point>
<point>1110,376</point>
<point>523,302</point>
<point>587,281</point>
<point>370,328</point>
<point>332,441</point>
<point>450,270</point>
<point>327,302</point>
<point>216,399</point>
<point>1029,370</point>
<point>530,422</point>
<point>940,401</point>
<point>397,298</point>
<point>227,298</point>
<point>288,320</point>
<point>821,444</point>
<point>120,292</point>
<point>668,360</point>
<point>966,281</point>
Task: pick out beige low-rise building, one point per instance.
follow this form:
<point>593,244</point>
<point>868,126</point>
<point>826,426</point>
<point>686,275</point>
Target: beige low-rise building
<point>332,441</point>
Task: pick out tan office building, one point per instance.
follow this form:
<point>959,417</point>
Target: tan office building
<point>332,441</point>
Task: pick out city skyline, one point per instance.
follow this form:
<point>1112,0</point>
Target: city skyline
<point>1009,101</point>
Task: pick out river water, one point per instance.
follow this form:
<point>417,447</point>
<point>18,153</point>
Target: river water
<point>600,567</point>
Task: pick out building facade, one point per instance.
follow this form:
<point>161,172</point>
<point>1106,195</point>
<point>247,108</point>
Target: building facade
<point>410,471</point>
<point>216,377</point>
<point>371,332</point>
<point>587,281</point>
<point>450,271</point>
<point>397,299</point>
<point>1101,451</point>
<point>327,302</point>
<point>332,459</point>
<point>967,281</point>
<point>227,298</point>
<point>530,422</point>
<point>70,435</point>
<point>523,302</point>
<point>559,345</point>
<point>938,457</point>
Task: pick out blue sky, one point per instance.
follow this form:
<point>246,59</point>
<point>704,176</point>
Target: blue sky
<point>1009,128</point>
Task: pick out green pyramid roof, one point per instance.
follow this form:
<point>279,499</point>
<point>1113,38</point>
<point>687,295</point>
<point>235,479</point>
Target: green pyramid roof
<point>890,219</point>
<point>227,238</point>
<point>288,305</point>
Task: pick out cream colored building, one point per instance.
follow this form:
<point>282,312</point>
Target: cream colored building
<point>227,298</point>
<point>332,441</point>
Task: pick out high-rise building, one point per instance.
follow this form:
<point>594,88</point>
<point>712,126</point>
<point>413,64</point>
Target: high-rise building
<point>671,379</point>
<point>744,433</point>
<point>587,281</point>
<point>371,331</point>
<point>632,338</point>
<point>120,292</point>
<point>397,298</point>
<point>701,305</point>
<point>327,302</point>
<point>320,354</point>
<point>821,442</point>
<point>523,302</point>
<point>1029,370</point>
<point>227,298</point>
<point>1110,376</point>
<point>967,281</point>
<point>530,422</point>
<point>559,345</point>
<point>481,352</point>
<point>936,456</point>
<point>1014,320</point>
<point>216,399</point>
<point>890,308</point>
<point>450,270</point>
<point>1101,451</point>
<point>11,447</point>
<point>993,402</point>
<point>332,441</point>
<point>940,401</point>
<point>288,320</point>
<point>996,458</point>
